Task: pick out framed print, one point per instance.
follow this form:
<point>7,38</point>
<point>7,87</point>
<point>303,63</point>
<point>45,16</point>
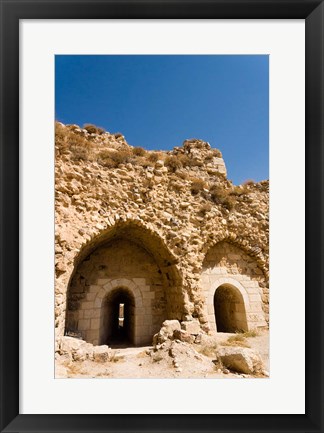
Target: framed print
<point>139,275</point>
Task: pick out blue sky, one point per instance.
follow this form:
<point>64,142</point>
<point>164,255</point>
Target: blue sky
<point>159,101</point>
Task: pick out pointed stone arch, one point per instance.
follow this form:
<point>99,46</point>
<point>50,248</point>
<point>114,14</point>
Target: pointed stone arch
<point>129,256</point>
<point>253,251</point>
<point>229,266</point>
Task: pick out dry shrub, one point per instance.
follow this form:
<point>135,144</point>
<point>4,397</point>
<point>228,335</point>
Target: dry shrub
<point>220,195</point>
<point>73,369</point>
<point>62,137</point>
<point>238,190</point>
<point>78,140</point>
<point>154,156</point>
<point>139,151</point>
<point>144,162</point>
<point>122,157</point>
<point>239,339</point>
<point>187,161</point>
<point>115,358</point>
<point>209,157</point>
<point>197,185</point>
<point>107,162</point>
<point>206,207</point>
<point>92,129</point>
<point>236,343</point>
<point>173,163</point>
<point>79,153</point>
<point>183,175</point>
<point>252,333</point>
<point>66,139</point>
<point>73,127</point>
<point>175,185</point>
<point>184,159</point>
<point>207,348</point>
<point>112,159</point>
<point>243,189</point>
<point>60,133</point>
<point>248,182</point>
<point>236,337</point>
<point>236,340</point>
<point>230,202</point>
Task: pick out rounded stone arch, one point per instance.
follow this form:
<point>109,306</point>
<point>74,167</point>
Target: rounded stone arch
<point>121,285</point>
<point>117,283</point>
<point>230,303</point>
<point>223,281</point>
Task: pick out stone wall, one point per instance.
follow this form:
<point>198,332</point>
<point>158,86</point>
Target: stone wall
<point>161,214</point>
<point>229,266</point>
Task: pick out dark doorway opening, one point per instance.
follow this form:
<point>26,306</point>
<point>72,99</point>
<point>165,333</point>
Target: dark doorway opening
<point>117,319</point>
<point>229,309</point>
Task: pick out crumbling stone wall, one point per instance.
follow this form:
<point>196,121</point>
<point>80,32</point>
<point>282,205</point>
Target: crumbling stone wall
<point>172,208</point>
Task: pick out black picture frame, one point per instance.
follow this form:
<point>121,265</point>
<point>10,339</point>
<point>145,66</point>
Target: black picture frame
<point>11,12</point>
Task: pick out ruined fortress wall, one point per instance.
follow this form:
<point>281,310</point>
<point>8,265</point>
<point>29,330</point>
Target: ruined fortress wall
<point>166,226</point>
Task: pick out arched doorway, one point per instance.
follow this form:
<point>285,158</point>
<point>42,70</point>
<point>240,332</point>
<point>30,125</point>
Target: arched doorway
<point>229,309</point>
<point>117,321</point>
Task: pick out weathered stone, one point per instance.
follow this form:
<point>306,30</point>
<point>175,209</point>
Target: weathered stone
<point>166,332</point>
<point>240,359</point>
<point>191,327</point>
<point>84,352</point>
<point>101,353</point>
<point>169,326</point>
<point>183,336</point>
<point>69,344</point>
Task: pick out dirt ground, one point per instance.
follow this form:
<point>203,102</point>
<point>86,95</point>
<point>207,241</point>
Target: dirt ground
<point>178,361</point>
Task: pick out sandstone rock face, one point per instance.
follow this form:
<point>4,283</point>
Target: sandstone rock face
<point>240,359</point>
<point>166,228</point>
